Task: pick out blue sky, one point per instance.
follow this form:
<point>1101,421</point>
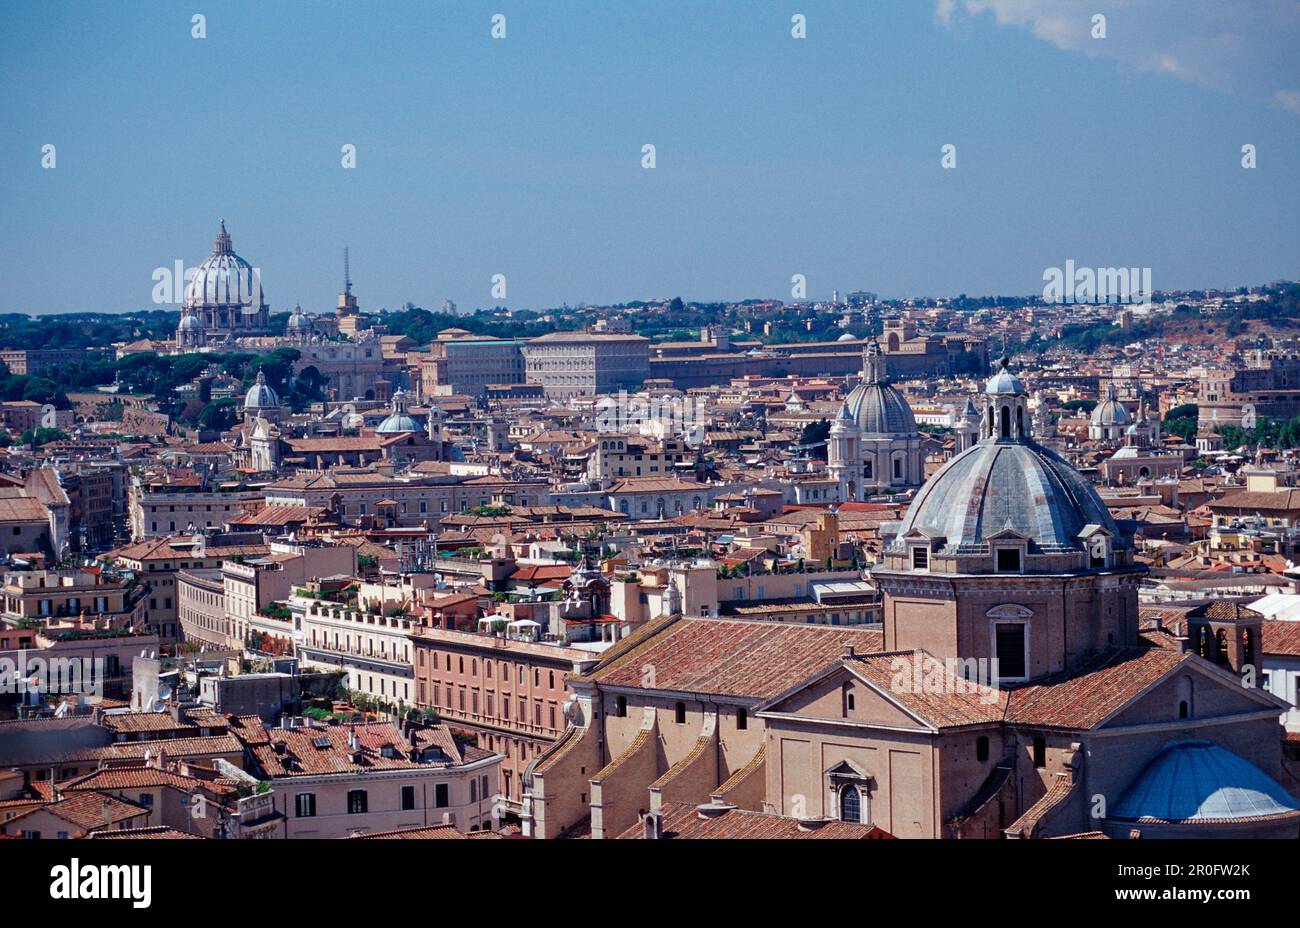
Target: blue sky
<point>522,156</point>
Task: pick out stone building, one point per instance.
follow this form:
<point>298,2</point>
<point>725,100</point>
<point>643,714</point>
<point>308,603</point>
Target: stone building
<point>874,443</point>
<point>570,364</point>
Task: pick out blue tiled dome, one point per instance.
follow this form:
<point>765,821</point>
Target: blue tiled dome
<point>1196,781</point>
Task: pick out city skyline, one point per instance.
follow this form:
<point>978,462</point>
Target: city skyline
<point>523,155</point>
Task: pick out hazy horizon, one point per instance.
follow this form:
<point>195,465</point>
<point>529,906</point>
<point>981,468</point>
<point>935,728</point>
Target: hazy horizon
<point>522,156</point>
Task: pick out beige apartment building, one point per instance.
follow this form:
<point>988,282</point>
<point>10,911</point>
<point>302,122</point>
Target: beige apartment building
<point>50,595</point>
<point>339,781</point>
<point>569,364</point>
<point>158,561</point>
<point>248,585</point>
<point>374,650</point>
<point>155,513</point>
<point>508,692</point>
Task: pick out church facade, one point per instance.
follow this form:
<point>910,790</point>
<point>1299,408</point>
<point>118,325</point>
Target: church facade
<point>874,446</point>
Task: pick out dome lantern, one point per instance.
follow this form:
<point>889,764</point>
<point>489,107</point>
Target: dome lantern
<point>1006,407</point>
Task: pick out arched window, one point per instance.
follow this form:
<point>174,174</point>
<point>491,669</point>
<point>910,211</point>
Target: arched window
<point>1221,646</point>
<point>1020,422</point>
<point>847,700</point>
<point>1186,693</point>
<point>850,804</point>
<point>1006,421</point>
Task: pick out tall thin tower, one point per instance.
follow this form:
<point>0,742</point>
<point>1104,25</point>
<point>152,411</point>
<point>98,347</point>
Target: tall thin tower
<point>347,302</point>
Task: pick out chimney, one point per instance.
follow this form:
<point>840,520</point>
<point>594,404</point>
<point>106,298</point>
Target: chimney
<point>653,823</point>
<point>850,651</point>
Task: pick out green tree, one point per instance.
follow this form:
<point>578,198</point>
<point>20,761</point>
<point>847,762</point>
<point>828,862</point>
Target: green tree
<point>813,433</point>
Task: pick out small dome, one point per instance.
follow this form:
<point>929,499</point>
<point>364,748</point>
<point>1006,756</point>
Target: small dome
<point>260,395</point>
<point>879,409</point>
<point>399,421</point>
<point>1197,781</point>
<point>996,485</point>
<point>298,321</point>
<point>1111,413</point>
<point>846,337</point>
<point>190,323</point>
<point>1004,383</point>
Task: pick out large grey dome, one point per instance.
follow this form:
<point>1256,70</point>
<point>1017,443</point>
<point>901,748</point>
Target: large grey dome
<point>880,409</point>
<point>1196,781</point>
<point>1020,485</point>
<point>224,279</point>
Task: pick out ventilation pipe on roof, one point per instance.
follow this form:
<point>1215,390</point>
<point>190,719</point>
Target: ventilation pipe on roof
<point>709,810</point>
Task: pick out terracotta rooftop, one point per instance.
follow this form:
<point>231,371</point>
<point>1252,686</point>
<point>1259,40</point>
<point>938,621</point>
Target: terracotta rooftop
<point>1087,695</point>
<point>745,659</point>
<point>682,820</point>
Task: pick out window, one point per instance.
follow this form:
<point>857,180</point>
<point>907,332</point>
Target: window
<point>742,719</point>
<point>1010,642</point>
<point>847,701</point>
<point>620,707</point>
<point>305,805</point>
<point>982,748</point>
<point>920,558</point>
<point>850,804</point>
<point>1008,560</point>
<point>440,798</point>
<point>357,802</point>
<point>681,713</point>
<point>1040,752</point>
<point>408,798</point>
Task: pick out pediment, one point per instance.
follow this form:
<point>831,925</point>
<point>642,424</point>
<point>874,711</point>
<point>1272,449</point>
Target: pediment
<point>1009,611</point>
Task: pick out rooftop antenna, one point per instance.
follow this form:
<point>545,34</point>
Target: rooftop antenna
<point>347,273</point>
